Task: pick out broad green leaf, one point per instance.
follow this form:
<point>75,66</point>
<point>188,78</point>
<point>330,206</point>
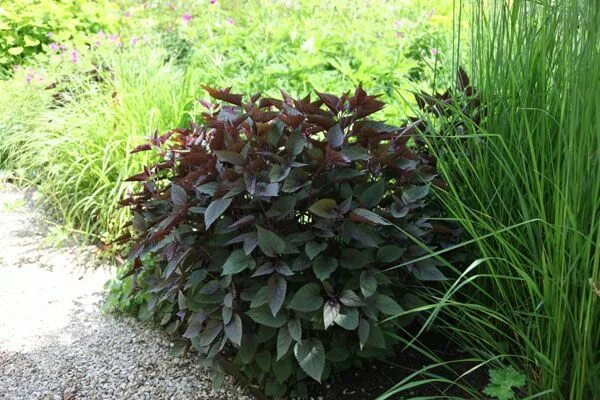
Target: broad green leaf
<point>282,207</point>
<point>214,210</point>
<point>282,369</point>
<point>376,338</point>
<point>295,143</point>
<point>348,319</point>
<point>237,262</point>
<point>355,259</point>
<point>269,242</point>
<point>354,153</point>
<point>372,195</point>
<point>194,325</point>
<point>335,136</point>
<point>313,248</point>
<point>262,315</point>
<point>415,193</point>
<point>368,283</point>
<point>233,330</point>
<point>263,359</point>
<point>387,305</point>
<point>389,253</point>
<point>426,271</point>
<point>324,267</point>
<point>284,340</point>
<point>363,332</point>
<point>276,289</point>
<point>247,349</point>
<point>295,329</point>
<point>275,390</point>
<point>350,299</point>
<point>307,298</point>
<point>230,157</point>
<point>178,196</point>
<point>331,309</point>
<point>324,208</point>
<point>209,334</point>
<point>260,298</point>
<point>310,354</point>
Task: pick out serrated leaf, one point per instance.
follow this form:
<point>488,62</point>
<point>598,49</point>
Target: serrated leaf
<point>368,217</point>
<point>354,153</point>
<point>269,242</point>
<point>387,305</point>
<point>194,325</point>
<point>237,262</point>
<point>372,195</point>
<point>262,315</point>
<point>284,340</point>
<point>259,298</point>
<point>307,298</point>
<point>230,157</point>
<point>310,354</point>
<point>415,193</point>
<point>331,309</point>
<point>335,136</point>
<point>351,299</point>
<point>295,329</point>
<point>178,196</point>
<point>210,333</point>
<point>214,210</point>
<point>368,284</point>
<point>324,267</point>
<point>282,207</point>
<point>295,143</point>
<point>233,330</point>
<point>276,289</point>
<point>348,319</point>
<point>324,208</point>
<point>389,253</point>
<point>263,359</point>
<point>313,248</point>
<point>427,272</point>
<point>282,369</point>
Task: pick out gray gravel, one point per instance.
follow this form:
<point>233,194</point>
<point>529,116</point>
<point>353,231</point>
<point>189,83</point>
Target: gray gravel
<point>55,342</point>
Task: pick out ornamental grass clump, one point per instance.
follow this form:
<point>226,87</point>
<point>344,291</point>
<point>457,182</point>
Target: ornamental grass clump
<point>263,232</point>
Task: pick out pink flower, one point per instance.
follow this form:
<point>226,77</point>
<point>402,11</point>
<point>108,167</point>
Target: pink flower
<point>134,40</point>
<point>127,14</point>
<point>186,18</point>
<point>213,1</point>
<point>54,47</point>
<point>433,52</point>
<point>230,21</point>
<point>74,56</point>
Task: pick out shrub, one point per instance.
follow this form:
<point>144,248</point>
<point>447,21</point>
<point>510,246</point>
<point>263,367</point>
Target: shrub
<point>270,225</point>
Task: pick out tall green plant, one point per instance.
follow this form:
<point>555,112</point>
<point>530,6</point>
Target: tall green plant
<point>525,185</point>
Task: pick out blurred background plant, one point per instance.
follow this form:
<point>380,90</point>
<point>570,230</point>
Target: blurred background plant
<point>76,103</point>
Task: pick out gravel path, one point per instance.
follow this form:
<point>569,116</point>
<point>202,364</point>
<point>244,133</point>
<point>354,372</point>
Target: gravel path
<point>55,343</point>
